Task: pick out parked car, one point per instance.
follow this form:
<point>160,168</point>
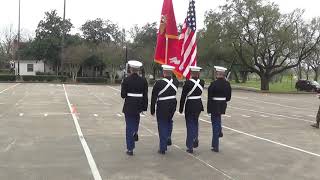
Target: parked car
<point>306,85</point>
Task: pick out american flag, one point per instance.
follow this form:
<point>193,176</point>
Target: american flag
<point>187,41</point>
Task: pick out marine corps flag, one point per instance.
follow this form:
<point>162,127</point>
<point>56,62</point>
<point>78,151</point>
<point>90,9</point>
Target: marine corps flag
<point>167,48</point>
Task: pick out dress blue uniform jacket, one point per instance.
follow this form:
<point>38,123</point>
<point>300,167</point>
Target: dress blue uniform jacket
<point>137,85</point>
<point>166,108</point>
<point>193,106</point>
<point>219,89</point>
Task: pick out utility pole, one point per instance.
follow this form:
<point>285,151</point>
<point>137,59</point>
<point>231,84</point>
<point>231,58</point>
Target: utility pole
<point>18,42</point>
<point>63,34</point>
<point>64,10</point>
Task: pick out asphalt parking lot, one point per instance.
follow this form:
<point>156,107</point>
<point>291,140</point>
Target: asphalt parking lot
<point>63,132</point>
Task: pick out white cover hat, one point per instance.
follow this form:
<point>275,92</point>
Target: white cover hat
<point>195,68</point>
<point>220,68</point>
<point>135,64</point>
<point>167,67</point>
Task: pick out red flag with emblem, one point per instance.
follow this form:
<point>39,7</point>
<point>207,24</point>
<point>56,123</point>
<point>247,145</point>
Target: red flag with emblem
<point>167,48</point>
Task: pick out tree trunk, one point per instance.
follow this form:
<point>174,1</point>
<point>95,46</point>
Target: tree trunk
<point>244,76</point>
<point>236,77</point>
<point>265,80</point>
<point>299,72</point>
<point>154,73</point>
<point>316,73</point>
<point>76,70</point>
<point>112,75</point>
<point>75,77</point>
<point>307,72</point>
<point>57,71</point>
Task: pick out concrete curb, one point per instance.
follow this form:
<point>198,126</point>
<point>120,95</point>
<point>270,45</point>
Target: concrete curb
<point>37,82</point>
<point>251,89</point>
<point>238,88</point>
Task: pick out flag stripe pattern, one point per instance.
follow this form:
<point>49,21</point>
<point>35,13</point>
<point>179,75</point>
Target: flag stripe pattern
<point>187,41</point>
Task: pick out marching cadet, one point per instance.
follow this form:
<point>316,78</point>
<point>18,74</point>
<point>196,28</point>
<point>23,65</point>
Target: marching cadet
<point>219,93</point>
<point>164,95</point>
<point>191,99</point>
<point>316,125</point>
<point>134,89</point>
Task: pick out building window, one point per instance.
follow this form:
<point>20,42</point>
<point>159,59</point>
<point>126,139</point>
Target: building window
<point>29,67</point>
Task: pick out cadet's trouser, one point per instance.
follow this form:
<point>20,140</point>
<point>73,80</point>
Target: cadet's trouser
<point>216,128</point>
<point>192,124</point>
<point>318,116</point>
<point>163,129</point>
<point>132,126</point>
<point>170,127</point>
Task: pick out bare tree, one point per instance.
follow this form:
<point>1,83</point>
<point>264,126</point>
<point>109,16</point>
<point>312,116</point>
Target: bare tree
<point>313,61</point>
<point>74,58</point>
<point>8,45</point>
<point>112,56</point>
<point>266,41</point>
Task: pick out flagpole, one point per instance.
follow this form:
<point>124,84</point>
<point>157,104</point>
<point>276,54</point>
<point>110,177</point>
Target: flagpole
<point>166,55</point>
<point>18,43</point>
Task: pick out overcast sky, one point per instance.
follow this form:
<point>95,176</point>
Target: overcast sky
<point>124,12</point>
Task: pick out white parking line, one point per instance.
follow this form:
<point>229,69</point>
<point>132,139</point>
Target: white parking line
<point>297,116</point>
<point>21,114</point>
<point>92,163</point>
<point>45,115</point>
<point>193,156</point>
<point>267,140</point>
<point>204,162</point>
<point>179,113</point>
<point>9,88</point>
<point>119,115</point>
<point>142,115</point>
<point>245,116</point>
<point>264,116</point>
<point>100,99</point>
<point>95,115</point>
<point>265,102</point>
<point>150,131</point>
<point>9,146</point>
<point>114,88</point>
<point>271,114</point>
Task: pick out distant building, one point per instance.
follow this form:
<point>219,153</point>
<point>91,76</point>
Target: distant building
<point>29,67</point>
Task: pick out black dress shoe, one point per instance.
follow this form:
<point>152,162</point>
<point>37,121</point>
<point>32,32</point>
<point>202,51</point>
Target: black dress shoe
<point>169,142</point>
<point>195,143</point>
<point>161,152</point>
<point>130,153</point>
<point>135,137</point>
<point>315,125</point>
<point>190,151</point>
<point>221,135</point>
<point>214,150</point>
